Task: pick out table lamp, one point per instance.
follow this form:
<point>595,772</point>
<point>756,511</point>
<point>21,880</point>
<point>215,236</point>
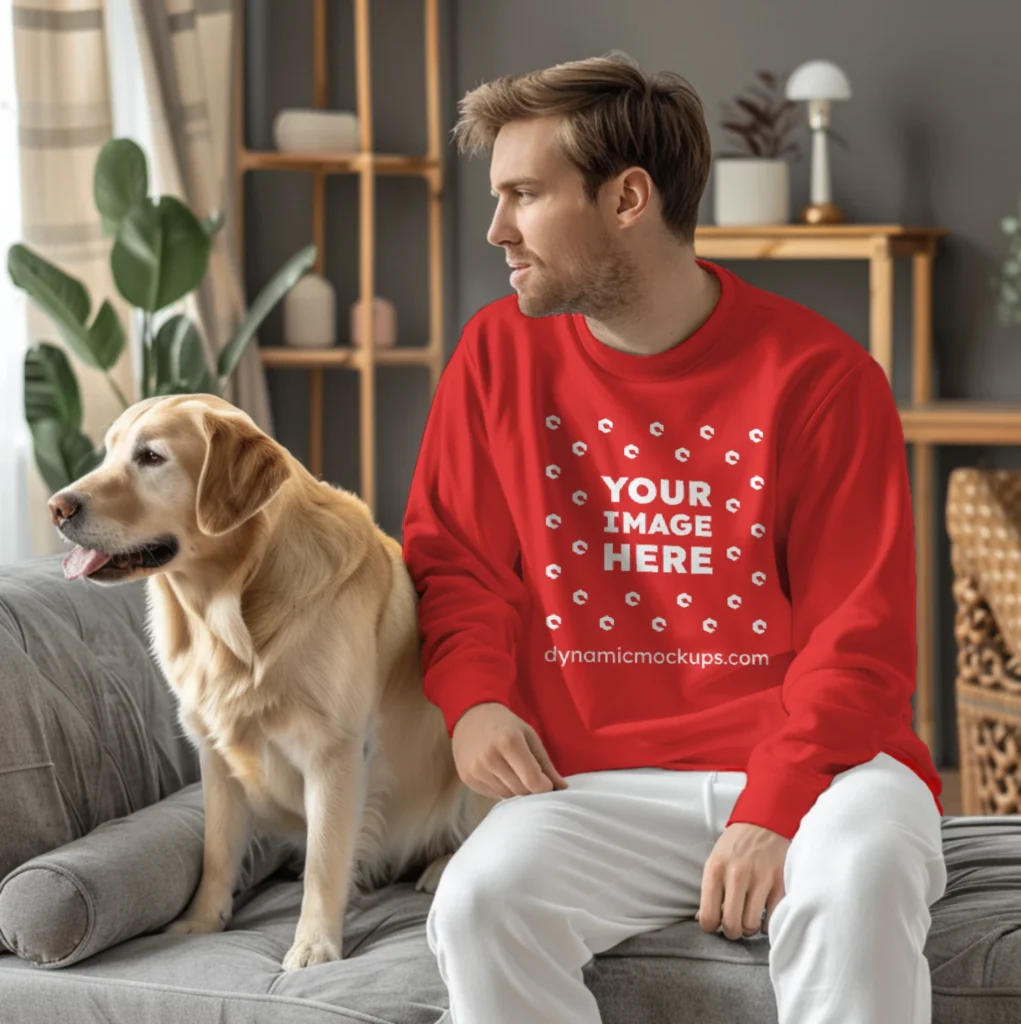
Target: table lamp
<point>819,82</point>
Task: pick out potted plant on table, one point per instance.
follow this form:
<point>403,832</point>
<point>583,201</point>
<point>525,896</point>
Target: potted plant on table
<point>159,254</point>
<point>752,183</point>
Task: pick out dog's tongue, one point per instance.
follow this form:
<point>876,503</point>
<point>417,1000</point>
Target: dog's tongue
<point>83,562</point>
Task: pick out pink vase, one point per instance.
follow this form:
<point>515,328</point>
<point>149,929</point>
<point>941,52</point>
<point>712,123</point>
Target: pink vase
<point>384,323</point>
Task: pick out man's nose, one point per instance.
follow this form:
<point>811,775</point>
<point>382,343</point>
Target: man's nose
<point>63,506</point>
<point>502,231</point>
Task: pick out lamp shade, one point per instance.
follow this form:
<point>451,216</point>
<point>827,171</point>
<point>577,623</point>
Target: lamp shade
<point>818,80</point>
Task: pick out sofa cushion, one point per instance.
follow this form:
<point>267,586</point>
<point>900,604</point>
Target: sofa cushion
<point>388,975</point>
<point>90,728</point>
<point>127,877</point>
<point>677,975</point>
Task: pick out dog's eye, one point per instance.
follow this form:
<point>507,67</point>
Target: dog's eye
<point>149,457</point>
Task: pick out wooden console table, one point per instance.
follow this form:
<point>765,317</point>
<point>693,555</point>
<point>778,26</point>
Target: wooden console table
<point>926,423</point>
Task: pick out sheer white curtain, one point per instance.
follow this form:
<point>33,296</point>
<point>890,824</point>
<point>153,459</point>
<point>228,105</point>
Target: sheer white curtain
<point>15,444</point>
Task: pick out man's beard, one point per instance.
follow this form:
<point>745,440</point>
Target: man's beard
<point>600,288</point>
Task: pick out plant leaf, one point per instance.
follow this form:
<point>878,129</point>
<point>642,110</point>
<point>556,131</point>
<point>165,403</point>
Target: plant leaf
<point>61,452</point>
<point>106,336</point>
<point>206,385</point>
<point>837,138</point>
<point>741,129</point>
<point>213,223</point>
<point>63,298</point>
<point>120,181</point>
<point>179,355</point>
<point>174,387</point>
<point>147,370</point>
<point>49,455</point>
<point>757,112</point>
<point>160,255</point>
<point>80,456</point>
<point>51,388</point>
<point>274,290</point>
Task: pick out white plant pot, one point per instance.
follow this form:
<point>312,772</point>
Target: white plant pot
<point>751,191</point>
<point>310,314</point>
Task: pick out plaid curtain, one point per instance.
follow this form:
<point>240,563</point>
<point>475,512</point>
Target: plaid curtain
<point>64,117</point>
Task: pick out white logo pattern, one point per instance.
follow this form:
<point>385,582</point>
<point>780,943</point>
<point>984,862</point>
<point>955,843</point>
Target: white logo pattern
<point>633,598</point>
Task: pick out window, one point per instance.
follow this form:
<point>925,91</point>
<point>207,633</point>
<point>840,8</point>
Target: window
<point>15,443</point>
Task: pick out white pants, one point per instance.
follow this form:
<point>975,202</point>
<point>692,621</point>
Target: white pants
<point>550,879</point>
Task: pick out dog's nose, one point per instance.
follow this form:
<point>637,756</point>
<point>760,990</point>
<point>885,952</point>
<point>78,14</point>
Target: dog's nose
<point>63,506</point>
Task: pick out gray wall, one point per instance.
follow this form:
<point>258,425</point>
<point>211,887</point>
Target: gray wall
<point>931,142</point>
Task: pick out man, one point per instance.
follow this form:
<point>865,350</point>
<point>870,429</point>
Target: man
<point>661,530</point>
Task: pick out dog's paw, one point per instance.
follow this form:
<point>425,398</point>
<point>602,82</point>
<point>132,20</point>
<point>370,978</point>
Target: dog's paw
<point>429,880</point>
<point>194,926</point>
<point>309,954</point>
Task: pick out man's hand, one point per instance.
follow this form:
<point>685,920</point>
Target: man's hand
<point>742,878</point>
<point>499,755</point>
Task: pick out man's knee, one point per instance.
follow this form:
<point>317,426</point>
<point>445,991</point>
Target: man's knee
<point>480,892</point>
<point>875,867</point>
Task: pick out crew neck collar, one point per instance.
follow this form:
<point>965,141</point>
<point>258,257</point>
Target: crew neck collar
<point>675,360</point>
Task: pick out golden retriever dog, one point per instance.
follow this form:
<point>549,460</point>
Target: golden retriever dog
<point>286,623</point>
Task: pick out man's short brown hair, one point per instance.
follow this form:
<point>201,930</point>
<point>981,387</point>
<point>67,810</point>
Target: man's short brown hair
<point>615,116</point>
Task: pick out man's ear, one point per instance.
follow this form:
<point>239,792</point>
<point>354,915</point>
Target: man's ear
<point>242,471</point>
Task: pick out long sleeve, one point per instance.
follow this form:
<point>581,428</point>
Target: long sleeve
<point>844,492</point>
<point>462,550</point>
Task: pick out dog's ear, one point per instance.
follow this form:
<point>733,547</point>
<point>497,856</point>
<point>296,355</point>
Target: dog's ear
<point>242,471</point>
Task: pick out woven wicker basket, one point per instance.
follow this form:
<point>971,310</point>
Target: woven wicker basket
<point>984,523</point>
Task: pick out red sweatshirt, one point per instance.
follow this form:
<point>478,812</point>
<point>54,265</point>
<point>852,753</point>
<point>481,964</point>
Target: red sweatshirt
<point>701,559</point>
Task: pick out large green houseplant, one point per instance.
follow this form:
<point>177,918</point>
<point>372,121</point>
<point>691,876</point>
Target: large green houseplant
<point>159,254</point>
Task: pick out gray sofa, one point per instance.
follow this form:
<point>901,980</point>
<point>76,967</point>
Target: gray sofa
<point>100,844</point>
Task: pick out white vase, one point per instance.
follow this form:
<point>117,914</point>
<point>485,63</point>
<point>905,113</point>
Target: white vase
<point>316,131</point>
<point>310,313</point>
<point>751,191</point>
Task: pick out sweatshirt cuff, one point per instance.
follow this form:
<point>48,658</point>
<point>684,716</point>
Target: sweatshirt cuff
<point>454,700</point>
<point>778,800</point>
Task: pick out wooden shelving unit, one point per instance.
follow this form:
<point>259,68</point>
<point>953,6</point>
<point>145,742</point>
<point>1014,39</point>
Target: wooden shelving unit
<point>960,422</point>
<point>926,422</point>
<point>367,165</point>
